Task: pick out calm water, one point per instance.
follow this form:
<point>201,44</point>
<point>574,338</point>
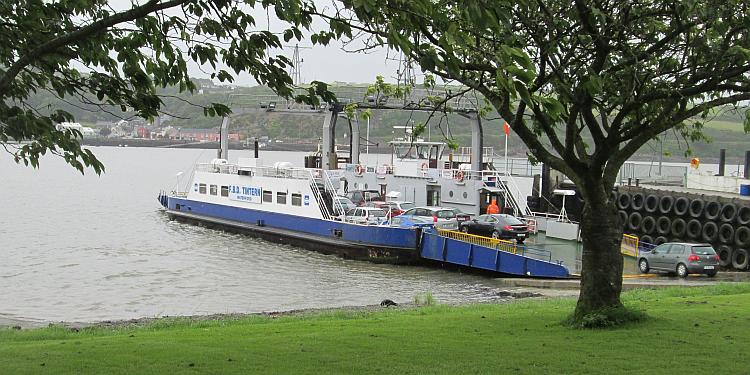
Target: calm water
<point>87,248</point>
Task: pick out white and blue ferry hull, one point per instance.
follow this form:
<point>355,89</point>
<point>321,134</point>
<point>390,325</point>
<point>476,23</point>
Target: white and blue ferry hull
<point>380,244</point>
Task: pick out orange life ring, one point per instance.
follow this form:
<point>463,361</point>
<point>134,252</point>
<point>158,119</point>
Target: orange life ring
<point>459,176</point>
<point>359,169</point>
<point>424,165</point>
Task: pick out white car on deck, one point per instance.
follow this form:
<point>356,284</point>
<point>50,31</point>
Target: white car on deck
<point>443,217</point>
<point>366,215</point>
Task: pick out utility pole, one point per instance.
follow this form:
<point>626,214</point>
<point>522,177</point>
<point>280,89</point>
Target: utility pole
<point>296,68</point>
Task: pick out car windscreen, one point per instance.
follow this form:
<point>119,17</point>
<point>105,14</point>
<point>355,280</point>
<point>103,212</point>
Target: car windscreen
<point>407,206</point>
<point>372,196</point>
<point>376,213</point>
<point>446,214</point>
<point>345,202</point>
<point>510,220</point>
<point>703,250</point>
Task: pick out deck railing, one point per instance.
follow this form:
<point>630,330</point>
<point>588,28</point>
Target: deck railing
<point>492,243</point>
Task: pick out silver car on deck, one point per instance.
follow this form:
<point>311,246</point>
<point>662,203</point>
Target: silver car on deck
<point>680,258</point>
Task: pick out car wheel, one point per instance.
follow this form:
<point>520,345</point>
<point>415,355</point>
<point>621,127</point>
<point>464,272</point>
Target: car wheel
<point>495,234</point>
<point>682,270</point>
<point>643,266</point>
<point>465,229</point>
<point>711,273</point>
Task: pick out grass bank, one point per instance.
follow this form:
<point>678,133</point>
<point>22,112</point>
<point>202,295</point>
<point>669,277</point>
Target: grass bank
<point>690,329</point>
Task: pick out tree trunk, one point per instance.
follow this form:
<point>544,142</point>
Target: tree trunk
<point>601,273</point>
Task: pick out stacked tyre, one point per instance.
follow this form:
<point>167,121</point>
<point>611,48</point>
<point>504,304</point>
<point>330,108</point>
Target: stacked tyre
<point>658,216</point>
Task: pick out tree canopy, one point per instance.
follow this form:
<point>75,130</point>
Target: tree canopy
<point>85,51</point>
<point>559,72</point>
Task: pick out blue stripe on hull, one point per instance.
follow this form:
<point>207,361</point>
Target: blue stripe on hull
<point>370,235</point>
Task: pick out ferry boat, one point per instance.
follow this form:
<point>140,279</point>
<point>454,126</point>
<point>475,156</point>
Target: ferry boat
<point>297,206</point>
<point>284,204</point>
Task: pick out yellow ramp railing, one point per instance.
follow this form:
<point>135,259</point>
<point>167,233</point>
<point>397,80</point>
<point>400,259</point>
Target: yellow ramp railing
<point>492,243</point>
<point>629,245</point>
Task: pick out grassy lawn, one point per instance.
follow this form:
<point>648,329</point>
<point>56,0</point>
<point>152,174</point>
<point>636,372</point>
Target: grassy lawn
<point>690,330</point>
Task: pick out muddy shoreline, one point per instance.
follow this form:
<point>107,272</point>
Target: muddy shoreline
<point>502,296</point>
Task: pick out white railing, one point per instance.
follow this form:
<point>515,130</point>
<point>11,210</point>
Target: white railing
<point>318,195</point>
<point>328,184</point>
<point>516,166</point>
<point>290,173</point>
<point>466,151</point>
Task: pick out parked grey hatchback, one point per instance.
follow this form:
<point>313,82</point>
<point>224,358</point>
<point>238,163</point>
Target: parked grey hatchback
<point>681,258</point>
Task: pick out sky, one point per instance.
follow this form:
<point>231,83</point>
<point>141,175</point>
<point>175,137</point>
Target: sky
<point>322,63</point>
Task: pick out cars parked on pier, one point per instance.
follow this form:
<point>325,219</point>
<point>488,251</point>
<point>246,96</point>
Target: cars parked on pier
<point>680,258</point>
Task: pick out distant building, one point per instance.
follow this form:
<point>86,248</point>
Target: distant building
<point>204,135</point>
<point>84,130</point>
<point>142,132</point>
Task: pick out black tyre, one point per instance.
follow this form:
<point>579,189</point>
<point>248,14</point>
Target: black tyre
<point>726,233</point>
<point>636,202</point>
<point>623,201</point>
<point>464,229</point>
<point>634,221</point>
<point>694,229</point>
<point>696,208</point>
<point>681,206</point>
<point>710,231</point>
<point>651,204</point>
<point>725,255</point>
<point>643,265</point>
<point>713,210</point>
<point>711,273</point>
<point>682,270</point>
<point>743,215</point>
<point>622,218</point>
<point>665,204</point>
<point>740,259</point>
<point>728,212</point>
<point>742,236</point>
<point>660,240</point>
<point>495,234</point>
<point>663,225</point>
<point>679,227</point>
<point>647,239</point>
<point>648,225</point>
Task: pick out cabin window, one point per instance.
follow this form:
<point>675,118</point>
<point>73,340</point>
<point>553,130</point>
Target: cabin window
<point>202,188</point>
<point>267,196</point>
<point>296,199</point>
<point>213,189</point>
<point>225,191</point>
<point>281,197</point>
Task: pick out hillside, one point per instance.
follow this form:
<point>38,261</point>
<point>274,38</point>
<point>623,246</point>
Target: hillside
<point>725,130</point>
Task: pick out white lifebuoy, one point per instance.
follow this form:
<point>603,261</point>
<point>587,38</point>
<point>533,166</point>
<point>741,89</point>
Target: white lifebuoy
<point>459,176</point>
<point>359,170</point>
